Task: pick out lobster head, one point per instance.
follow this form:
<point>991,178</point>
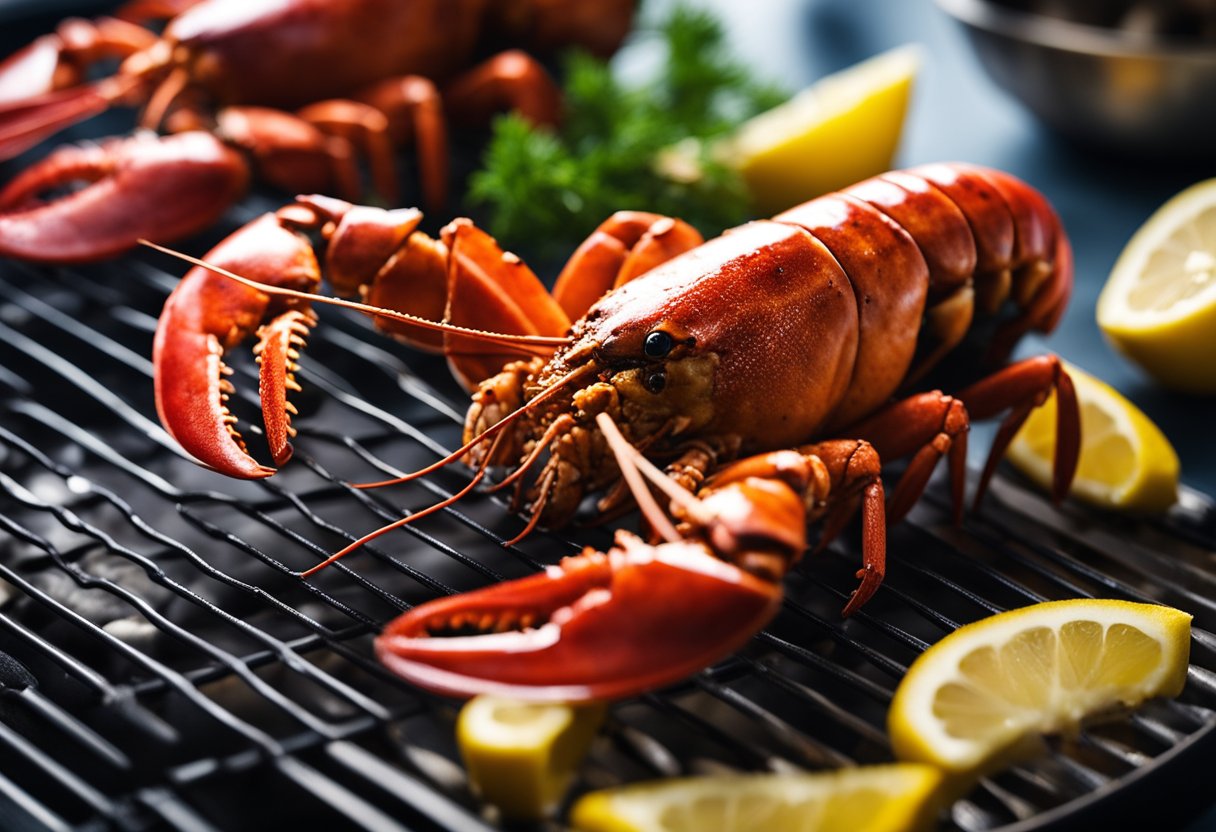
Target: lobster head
<point>699,348</point>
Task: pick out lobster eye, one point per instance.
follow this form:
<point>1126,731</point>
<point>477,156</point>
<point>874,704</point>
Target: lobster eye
<point>657,344</point>
<point>656,381</point>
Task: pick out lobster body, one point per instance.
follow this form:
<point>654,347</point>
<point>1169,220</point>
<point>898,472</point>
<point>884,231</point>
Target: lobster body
<point>373,74</point>
<point>828,310</point>
<point>798,340</point>
<point>320,49</point>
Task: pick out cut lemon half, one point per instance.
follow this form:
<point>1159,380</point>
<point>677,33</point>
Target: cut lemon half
<point>978,695</point>
<point>1126,462</point>
<point>1158,306</point>
<point>842,129</point>
<point>866,799</point>
<point>521,756</point>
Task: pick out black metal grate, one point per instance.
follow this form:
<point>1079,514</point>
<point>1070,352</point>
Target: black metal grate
<point>162,668</point>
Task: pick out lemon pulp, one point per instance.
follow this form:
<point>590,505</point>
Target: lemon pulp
<point>979,693</point>
<point>864,799</point>
<point>1126,462</point>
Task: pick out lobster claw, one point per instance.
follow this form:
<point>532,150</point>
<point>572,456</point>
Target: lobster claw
<point>208,314</point>
<point>598,626</point>
<point>139,187</point>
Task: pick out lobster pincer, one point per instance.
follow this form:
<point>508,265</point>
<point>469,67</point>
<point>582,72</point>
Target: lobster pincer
<point>600,625</point>
<point>208,315</point>
<point>605,625</point>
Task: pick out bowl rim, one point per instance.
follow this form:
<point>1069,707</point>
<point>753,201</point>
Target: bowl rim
<point>1068,36</point>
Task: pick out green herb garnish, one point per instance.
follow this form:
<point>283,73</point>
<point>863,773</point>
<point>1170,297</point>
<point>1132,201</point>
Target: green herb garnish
<point>620,147</point>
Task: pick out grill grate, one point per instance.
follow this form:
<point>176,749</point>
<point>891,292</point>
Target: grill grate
<point>161,667</point>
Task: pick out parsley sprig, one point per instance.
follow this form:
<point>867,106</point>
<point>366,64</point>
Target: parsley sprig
<point>644,147</point>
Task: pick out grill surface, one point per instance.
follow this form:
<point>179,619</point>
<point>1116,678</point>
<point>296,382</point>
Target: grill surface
<point>162,668</point>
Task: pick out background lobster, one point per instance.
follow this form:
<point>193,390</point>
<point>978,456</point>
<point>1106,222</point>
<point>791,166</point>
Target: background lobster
<point>814,324</point>
<point>210,70</point>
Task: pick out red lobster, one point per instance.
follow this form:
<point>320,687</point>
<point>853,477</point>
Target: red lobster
<point>811,327</point>
<point>221,65</point>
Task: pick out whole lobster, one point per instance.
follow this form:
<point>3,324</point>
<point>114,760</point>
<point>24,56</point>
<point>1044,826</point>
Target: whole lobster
<point>367,70</point>
<point>814,327</point>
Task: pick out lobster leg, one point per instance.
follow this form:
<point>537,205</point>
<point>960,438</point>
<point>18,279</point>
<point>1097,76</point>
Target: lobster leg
<point>625,246</point>
<point>365,128</point>
<point>836,477</point>
<point>288,152</point>
<point>1020,388</point>
<point>415,112</point>
<point>511,80</point>
<point>926,427</point>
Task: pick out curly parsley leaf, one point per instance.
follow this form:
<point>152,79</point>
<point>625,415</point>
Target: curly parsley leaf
<point>644,147</point>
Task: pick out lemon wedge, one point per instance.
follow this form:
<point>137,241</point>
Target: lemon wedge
<point>1126,462</point>
<point>982,692</point>
<point>866,799</point>
<point>1158,306</point>
<point>842,129</point>
<point>521,756</point>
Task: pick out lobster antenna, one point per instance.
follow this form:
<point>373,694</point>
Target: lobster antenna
<point>629,459</point>
<point>492,430</point>
<point>506,339</point>
<point>404,521</point>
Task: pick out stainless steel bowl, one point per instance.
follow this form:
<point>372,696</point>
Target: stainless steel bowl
<point>1133,92</point>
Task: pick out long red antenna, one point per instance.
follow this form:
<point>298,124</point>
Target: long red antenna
<point>503,338</point>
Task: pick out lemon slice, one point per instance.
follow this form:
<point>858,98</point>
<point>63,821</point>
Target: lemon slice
<point>980,693</point>
<point>1126,462</point>
<point>842,129</point>
<point>1158,306</point>
<point>521,756</point>
<point>866,799</point>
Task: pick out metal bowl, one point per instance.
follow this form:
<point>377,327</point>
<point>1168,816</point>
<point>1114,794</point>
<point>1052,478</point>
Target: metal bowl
<point>1139,93</point>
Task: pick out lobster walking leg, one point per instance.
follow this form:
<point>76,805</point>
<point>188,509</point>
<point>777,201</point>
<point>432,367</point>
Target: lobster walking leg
<point>925,427</point>
<point>511,80</point>
<point>1020,388</point>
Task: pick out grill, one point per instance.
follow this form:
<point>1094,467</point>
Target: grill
<point>162,668</point>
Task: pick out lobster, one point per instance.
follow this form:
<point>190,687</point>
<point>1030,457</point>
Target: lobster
<point>208,71</point>
<point>721,360</point>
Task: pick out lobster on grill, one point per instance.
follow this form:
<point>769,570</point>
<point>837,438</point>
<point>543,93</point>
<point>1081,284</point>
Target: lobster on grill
<point>769,371</point>
<point>302,89</point>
